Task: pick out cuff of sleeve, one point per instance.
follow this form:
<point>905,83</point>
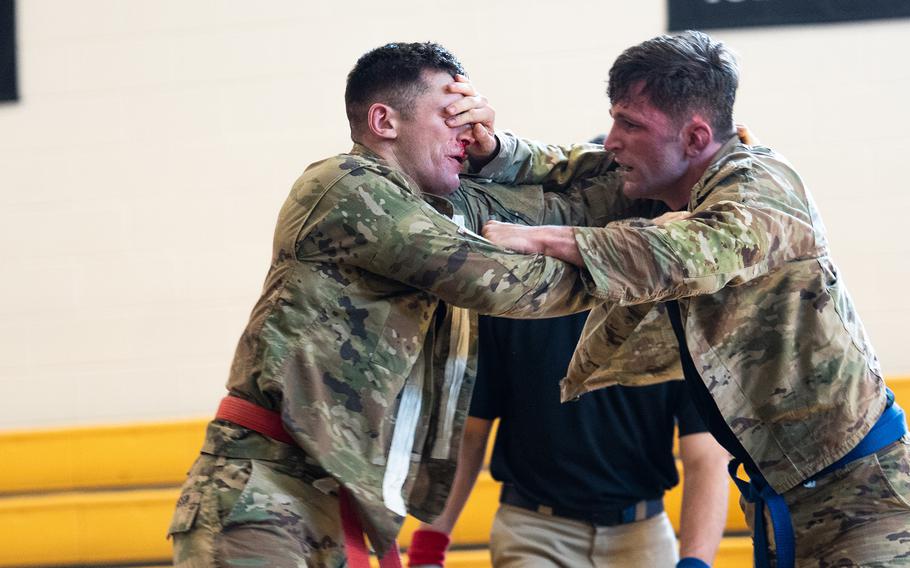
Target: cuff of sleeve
<point>428,547</point>
<point>495,167</point>
<point>593,277</point>
<point>691,562</point>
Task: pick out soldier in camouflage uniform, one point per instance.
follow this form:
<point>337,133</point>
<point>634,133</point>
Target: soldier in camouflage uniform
<point>361,339</point>
<point>771,343</point>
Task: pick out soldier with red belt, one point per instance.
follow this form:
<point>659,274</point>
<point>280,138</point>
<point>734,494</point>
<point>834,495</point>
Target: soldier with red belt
<point>350,384</point>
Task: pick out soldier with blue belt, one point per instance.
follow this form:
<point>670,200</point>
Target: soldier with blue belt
<point>773,349</point>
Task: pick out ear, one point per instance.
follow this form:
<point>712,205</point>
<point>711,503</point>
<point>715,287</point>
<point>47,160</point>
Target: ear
<point>382,120</point>
<point>697,136</point>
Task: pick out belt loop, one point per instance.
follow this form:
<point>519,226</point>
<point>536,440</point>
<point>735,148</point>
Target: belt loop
<point>628,514</point>
<point>641,510</point>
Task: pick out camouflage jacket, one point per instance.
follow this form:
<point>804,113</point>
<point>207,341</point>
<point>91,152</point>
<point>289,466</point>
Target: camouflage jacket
<point>768,320</point>
<point>361,338</point>
<point>620,344</point>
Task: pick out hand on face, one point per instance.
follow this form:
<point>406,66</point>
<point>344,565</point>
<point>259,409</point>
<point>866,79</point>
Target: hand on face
<point>514,237</point>
<point>473,108</point>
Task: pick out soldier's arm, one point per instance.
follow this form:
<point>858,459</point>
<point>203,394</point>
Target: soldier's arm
<point>481,201</point>
<point>521,161</point>
<point>594,202</point>
<point>467,271</point>
<point>589,202</point>
<point>426,541</point>
<point>470,462</point>
<point>398,236</point>
<point>646,261</point>
<point>705,494</point>
<point>557,242</point>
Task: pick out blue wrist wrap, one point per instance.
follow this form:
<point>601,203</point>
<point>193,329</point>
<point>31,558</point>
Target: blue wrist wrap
<point>691,562</point>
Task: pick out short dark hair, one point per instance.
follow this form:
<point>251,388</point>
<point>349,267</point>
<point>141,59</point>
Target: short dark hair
<point>393,73</point>
<point>681,74</point>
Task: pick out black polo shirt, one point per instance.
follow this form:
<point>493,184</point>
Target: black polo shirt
<point>607,450</point>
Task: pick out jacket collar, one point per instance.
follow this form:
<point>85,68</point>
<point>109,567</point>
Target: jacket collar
<point>386,169</point>
<point>361,150</point>
<point>441,204</point>
<point>722,165</point>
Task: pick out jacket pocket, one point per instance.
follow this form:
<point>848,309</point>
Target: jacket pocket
<point>270,496</point>
<point>894,462</point>
<point>185,513</point>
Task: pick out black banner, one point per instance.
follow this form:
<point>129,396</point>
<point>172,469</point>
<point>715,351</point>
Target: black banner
<point>707,14</point>
<point>9,90</point>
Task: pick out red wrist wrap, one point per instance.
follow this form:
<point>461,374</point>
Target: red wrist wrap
<point>428,547</point>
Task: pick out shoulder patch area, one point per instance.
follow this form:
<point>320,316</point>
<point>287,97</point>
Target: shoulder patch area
<point>330,171</point>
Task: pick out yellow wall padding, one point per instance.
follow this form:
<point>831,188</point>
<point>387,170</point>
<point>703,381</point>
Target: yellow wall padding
<point>129,455</point>
<point>92,527</point>
<point>85,528</point>
<point>106,456</point>
<point>129,526</point>
<point>49,517</point>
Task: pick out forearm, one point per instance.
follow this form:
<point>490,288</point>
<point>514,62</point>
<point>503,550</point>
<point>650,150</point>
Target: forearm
<point>559,242</point>
<point>470,462</point>
<point>520,161</point>
<point>550,240</point>
<point>593,203</point>
<point>430,252</point>
<point>704,505</point>
<point>465,478</point>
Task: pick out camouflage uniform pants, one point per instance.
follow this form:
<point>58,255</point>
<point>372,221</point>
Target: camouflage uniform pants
<point>855,516</point>
<point>252,513</point>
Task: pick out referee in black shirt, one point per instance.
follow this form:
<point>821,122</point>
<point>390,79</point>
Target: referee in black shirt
<point>583,482</point>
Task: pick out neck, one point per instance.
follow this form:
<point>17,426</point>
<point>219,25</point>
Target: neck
<point>679,198</point>
<point>381,149</point>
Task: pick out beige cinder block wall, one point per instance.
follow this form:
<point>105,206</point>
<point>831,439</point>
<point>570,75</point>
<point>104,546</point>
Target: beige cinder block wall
<point>142,171</point>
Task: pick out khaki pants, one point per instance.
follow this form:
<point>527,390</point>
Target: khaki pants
<point>526,539</point>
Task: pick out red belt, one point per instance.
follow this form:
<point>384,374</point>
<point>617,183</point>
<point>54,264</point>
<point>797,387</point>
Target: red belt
<point>268,423</point>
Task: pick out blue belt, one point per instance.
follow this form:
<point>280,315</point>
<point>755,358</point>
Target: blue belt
<point>889,428</point>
